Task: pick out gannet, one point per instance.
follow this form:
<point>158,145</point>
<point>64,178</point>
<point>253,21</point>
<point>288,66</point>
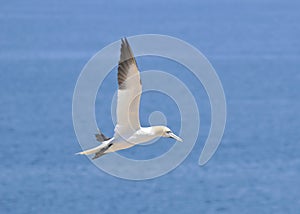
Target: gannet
<point>128,131</point>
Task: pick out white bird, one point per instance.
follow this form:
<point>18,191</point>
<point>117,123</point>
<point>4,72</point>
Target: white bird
<point>128,131</point>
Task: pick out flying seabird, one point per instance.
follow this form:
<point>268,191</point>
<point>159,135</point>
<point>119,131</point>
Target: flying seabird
<point>128,131</point>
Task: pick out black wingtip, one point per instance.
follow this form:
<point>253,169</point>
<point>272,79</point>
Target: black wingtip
<point>124,40</point>
<point>101,137</point>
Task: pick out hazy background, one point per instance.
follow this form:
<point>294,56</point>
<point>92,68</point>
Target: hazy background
<point>255,49</point>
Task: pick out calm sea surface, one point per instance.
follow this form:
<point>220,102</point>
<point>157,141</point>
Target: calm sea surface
<point>255,49</point>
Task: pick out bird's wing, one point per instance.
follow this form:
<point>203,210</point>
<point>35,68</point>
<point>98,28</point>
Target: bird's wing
<point>101,137</point>
<point>129,92</point>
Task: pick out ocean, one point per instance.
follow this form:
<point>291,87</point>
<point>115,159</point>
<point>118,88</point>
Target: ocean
<point>254,47</point>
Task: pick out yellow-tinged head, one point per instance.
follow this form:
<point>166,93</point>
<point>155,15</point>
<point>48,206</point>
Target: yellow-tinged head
<point>164,131</point>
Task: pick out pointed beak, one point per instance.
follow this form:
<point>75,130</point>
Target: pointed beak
<point>172,135</point>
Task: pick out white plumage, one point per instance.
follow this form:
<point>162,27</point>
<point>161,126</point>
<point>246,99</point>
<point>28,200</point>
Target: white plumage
<point>128,131</point>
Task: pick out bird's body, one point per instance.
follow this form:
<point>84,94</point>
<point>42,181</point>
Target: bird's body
<point>128,131</point>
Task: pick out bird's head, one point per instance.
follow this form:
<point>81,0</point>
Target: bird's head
<point>164,131</point>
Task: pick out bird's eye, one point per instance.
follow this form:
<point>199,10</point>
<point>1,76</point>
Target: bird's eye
<point>168,132</point>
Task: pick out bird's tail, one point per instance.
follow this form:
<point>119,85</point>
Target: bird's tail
<point>101,138</point>
<point>101,148</point>
<point>89,151</point>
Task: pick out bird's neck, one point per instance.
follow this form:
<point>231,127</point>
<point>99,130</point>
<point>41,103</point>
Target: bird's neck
<point>154,131</point>
<point>146,134</point>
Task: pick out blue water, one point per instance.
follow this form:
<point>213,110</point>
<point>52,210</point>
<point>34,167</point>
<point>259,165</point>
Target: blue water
<point>253,45</point>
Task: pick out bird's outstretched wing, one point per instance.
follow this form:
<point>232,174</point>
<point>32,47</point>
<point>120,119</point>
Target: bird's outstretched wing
<point>101,137</point>
<point>129,92</point>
